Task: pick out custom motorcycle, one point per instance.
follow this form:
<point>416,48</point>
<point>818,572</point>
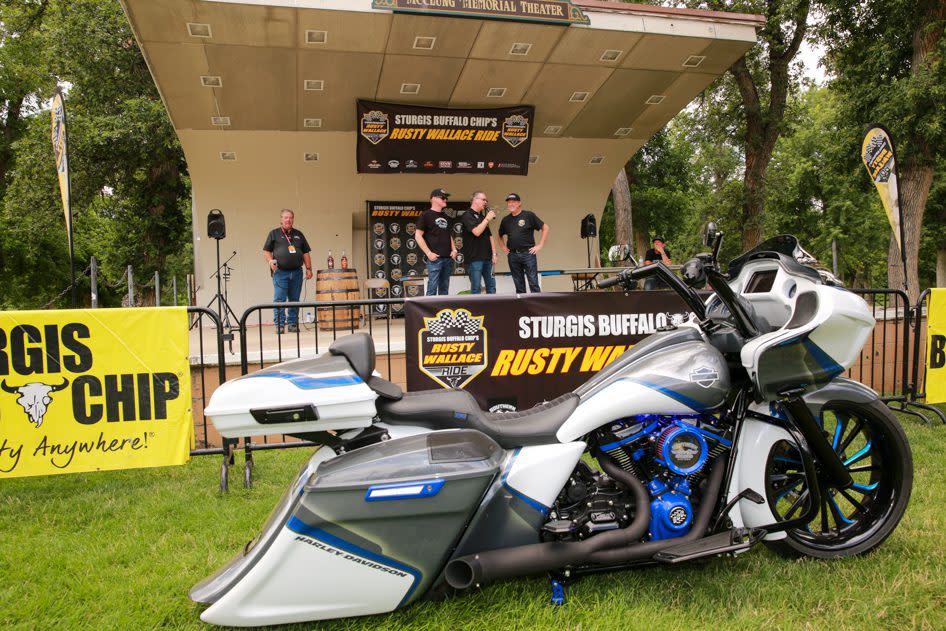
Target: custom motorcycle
<point>732,429</point>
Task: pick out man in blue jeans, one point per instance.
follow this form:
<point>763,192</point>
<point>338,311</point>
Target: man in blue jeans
<point>286,251</point>
<point>519,228</point>
<point>434,239</point>
<point>480,251</point>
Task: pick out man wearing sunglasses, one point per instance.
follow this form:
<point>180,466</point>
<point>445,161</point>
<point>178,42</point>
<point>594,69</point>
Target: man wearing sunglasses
<point>434,239</point>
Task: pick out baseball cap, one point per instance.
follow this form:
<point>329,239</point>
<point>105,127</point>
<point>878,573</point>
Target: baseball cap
<point>439,192</point>
<point>513,197</point>
<point>657,238</point>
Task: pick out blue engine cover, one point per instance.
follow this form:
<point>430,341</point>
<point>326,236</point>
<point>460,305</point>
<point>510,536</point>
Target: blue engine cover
<point>670,510</point>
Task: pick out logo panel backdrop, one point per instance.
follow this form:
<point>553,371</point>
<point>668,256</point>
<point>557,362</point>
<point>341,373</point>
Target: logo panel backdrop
<point>395,138</point>
<point>393,253</point>
<point>93,390</point>
<point>514,352</point>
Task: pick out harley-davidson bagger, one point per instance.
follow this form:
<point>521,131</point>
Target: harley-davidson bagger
<point>732,429</point>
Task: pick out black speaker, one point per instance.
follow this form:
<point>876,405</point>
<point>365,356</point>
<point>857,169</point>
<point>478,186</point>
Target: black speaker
<point>589,227</point>
<point>216,225</point>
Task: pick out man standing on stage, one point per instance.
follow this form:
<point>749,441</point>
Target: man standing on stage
<point>518,227</point>
<point>434,239</point>
<point>285,251</point>
<point>659,253</point>
<point>480,250</point>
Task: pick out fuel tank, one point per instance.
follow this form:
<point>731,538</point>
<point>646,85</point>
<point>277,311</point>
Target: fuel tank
<point>670,372</point>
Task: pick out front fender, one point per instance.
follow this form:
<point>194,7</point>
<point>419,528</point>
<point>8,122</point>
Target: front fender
<point>841,389</point>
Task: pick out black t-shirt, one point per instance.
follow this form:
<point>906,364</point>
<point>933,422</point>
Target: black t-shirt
<point>436,229</point>
<point>520,229</point>
<point>277,242</point>
<point>477,247</point>
<point>652,255</point>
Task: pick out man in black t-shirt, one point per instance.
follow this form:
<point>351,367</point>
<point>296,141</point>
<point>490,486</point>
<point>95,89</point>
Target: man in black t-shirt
<point>434,239</point>
<point>286,251</point>
<point>658,253</point>
<point>480,251</point>
<point>518,227</point>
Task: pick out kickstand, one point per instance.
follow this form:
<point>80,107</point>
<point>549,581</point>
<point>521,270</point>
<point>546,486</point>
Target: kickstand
<point>247,464</point>
<point>560,580</point>
<point>228,445</point>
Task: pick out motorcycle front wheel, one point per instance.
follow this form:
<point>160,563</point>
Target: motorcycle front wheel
<point>855,520</point>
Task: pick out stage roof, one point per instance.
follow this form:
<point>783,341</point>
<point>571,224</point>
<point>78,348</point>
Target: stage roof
<point>299,65</point>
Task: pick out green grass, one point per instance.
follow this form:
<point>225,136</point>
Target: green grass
<point>120,551</point>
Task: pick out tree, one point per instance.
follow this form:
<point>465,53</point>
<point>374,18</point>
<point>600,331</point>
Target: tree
<point>757,87</point>
<point>888,59</point>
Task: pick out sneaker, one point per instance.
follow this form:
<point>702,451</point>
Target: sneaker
<point>279,330</point>
<point>293,328</point>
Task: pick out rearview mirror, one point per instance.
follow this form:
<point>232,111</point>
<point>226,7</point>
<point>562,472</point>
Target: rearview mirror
<point>711,233</point>
<point>619,253</point>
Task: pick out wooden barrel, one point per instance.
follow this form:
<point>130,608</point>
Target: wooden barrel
<point>337,284</point>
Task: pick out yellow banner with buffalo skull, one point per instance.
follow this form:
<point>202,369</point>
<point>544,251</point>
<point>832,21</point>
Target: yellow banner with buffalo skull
<point>93,390</point>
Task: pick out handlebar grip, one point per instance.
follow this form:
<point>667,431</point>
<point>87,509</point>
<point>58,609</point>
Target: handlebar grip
<point>610,282</point>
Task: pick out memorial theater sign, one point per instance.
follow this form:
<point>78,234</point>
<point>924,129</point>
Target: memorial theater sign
<point>552,11</point>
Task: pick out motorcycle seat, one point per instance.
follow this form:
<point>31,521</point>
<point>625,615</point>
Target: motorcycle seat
<point>457,409</point>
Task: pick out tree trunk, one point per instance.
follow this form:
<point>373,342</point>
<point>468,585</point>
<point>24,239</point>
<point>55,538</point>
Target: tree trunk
<point>915,186</point>
<point>754,202</point>
<point>623,218</point>
<point>941,267</point>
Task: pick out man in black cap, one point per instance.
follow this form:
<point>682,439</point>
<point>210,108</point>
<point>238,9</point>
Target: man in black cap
<point>434,239</point>
<point>659,252</point>
<point>519,227</point>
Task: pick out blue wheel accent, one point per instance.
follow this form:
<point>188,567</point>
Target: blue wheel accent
<point>860,454</point>
<point>865,487</point>
<point>840,512</point>
<point>837,436</point>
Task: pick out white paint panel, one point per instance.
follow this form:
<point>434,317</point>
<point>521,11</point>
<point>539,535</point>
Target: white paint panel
<point>539,472</point>
<point>296,581</point>
<point>618,400</point>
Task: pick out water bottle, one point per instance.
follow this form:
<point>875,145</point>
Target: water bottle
<point>331,261</point>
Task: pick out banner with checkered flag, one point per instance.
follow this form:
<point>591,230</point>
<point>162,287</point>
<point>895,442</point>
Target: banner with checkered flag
<point>453,347</point>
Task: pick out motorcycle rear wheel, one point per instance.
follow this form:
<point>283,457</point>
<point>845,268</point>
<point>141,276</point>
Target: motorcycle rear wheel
<point>857,519</point>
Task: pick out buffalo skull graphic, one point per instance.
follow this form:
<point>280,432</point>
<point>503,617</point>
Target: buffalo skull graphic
<point>34,398</point>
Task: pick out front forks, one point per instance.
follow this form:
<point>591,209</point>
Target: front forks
<point>833,469</point>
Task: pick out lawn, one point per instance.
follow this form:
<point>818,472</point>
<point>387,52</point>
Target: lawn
<point>120,551</point>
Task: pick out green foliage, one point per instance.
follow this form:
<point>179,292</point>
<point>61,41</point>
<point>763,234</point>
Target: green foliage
<point>130,192</point>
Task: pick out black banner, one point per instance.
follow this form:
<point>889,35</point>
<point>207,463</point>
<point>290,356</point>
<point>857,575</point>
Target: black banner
<point>420,139</point>
<point>514,352</point>
<point>547,11</point>
<point>394,255</point>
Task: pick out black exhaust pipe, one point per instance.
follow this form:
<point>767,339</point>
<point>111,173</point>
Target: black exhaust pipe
<point>616,546</point>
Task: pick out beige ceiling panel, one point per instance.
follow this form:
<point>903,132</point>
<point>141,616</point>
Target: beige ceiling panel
<point>496,38</point>
<point>454,36</point>
<point>687,87</point>
<point>249,25</point>
<point>721,54</point>
<point>347,77</point>
<point>553,87</point>
<point>436,77</point>
<point>259,85</point>
<point>177,69</point>
<point>664,52</point>
<point>586,46</point>
<point>480,75</point>
<point>345,30</point>
<point>619,102</point>
<point>161,21</point>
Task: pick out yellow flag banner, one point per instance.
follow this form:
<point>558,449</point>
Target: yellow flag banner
<point>61,151</point>
<point>936,347</point>
<point>877,154</point>
<point>93,390</point>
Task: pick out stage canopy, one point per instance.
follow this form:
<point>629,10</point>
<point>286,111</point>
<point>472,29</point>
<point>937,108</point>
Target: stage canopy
<point>263,97</point>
